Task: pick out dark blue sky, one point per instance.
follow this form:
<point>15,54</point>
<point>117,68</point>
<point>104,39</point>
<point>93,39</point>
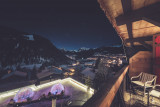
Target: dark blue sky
<point>69,24</point>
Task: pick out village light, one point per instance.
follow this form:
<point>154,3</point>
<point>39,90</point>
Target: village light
<point>72,70</point>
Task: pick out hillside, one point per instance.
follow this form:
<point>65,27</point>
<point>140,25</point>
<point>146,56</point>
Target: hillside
<point>20,48</point>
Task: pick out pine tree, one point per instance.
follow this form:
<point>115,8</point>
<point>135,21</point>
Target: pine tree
<point>88,81</point>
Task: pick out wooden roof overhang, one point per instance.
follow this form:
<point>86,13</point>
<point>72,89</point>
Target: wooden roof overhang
<point>135,21</point>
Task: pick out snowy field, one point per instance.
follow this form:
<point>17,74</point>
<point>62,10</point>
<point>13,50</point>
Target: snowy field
<point>78,93</point>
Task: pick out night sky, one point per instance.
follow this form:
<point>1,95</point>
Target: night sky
<point>69,24</point>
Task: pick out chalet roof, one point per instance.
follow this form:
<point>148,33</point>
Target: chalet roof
<point>88,73</point>
<point>135,21</point>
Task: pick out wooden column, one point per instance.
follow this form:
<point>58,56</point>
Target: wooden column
<point>53,102</point>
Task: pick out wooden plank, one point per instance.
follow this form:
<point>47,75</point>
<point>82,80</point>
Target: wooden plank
<point>138,14</point>
<point>151,21</point>
<point>105,96</point>
<point>140,62</point>
<point>126,5</point>
<point>139,39</point>
<point>149,47</point>
<point>110,96</point>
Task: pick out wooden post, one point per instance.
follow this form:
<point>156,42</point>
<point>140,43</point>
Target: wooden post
<point>53,102</point>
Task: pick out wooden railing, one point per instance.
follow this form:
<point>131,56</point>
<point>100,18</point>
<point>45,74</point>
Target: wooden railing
<point>105,96</point>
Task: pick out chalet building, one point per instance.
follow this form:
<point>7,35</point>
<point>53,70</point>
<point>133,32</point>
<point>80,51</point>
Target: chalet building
<point>137,22</point>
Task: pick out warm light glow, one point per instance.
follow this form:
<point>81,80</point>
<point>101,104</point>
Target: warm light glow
<point>23,94</point>
<point>68,73</point>
<point>71,73</point>
<point>36,88</point>
<point>72,70</point>
<point>57,89</point>
<point>80,85</point>
<point>57,67</point>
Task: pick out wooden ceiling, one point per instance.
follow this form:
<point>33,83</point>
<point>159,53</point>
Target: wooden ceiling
<point>134,20</point>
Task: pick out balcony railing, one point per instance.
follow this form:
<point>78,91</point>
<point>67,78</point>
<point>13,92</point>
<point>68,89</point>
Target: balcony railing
<point>111,95</point>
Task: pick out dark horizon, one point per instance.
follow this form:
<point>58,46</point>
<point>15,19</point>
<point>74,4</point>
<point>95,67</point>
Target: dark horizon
<point>67,24</point>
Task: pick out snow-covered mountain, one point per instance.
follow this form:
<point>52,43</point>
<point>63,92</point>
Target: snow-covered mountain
<point>20,48</point>
<point>88,52</point>
<point>83,49</point>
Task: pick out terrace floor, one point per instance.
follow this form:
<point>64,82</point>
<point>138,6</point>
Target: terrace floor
<point>77,92</point>
<point>139,100</point>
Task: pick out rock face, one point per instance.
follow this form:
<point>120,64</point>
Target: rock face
<point>20,48</point>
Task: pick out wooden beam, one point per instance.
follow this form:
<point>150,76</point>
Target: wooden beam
<point>149,47</point>
<point>110,96</point>
<point>130,33</point>
<point>127,7</point>
<point>139,39</point>
<point>105,96</point>
<point>152,21</point>
<point>138,14</point>
<point>126,4</point>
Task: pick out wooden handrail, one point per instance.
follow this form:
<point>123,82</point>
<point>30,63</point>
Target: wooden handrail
<point>105,96</point>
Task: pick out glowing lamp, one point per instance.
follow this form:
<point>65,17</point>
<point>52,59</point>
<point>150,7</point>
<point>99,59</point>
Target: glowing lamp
<point>23,94</point>
<point>57,89</point>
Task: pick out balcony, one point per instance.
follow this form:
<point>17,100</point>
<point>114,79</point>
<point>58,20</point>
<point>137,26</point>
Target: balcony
<point>118,92</point>
<point>137,24</point>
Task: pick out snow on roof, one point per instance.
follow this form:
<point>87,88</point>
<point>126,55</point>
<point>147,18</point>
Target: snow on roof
<point>31,66</point>
<point>20,73</point>
<point>7,75</point>
<point>30,37</point>
<point>89,63</point>
<point>48,72</point>
<point>88,72</point>
<point>57,71</point>
<point>44,74</point>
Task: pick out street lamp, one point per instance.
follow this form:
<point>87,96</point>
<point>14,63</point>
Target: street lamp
<point>50,78</point>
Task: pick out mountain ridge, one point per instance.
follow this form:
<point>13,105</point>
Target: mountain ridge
<point>90,52</point>
<point>17,48</point>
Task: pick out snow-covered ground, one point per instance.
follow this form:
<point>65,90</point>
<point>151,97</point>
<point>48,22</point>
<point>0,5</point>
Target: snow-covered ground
<point>88,72</point>
<point>77,91</point>
<point>30,37</point>
<point>49,71</point>
<point>31,66</point>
